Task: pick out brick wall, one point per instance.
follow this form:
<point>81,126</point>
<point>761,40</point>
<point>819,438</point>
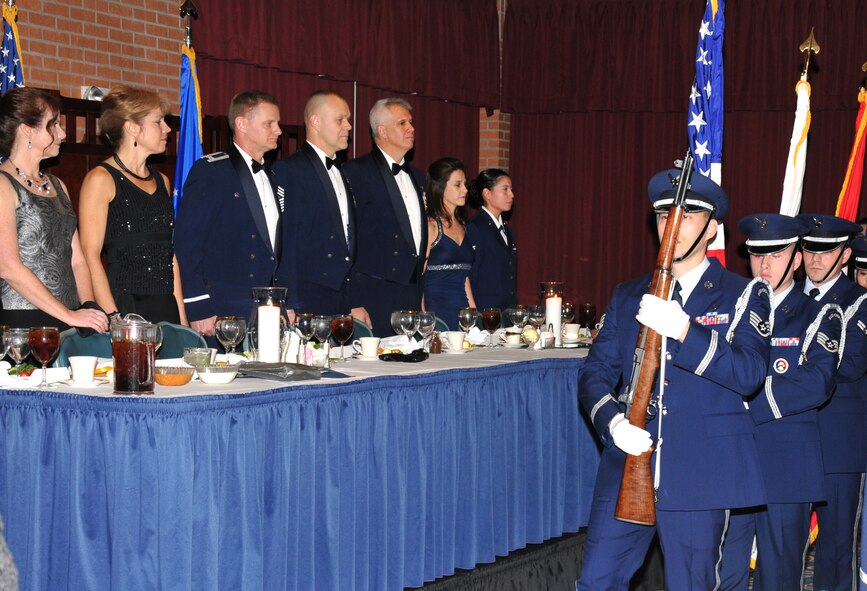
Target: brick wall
<point>495,127</point>
<point>67,45</point>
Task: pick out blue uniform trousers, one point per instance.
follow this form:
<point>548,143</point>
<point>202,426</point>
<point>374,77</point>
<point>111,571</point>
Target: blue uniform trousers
<point>614,549</point>
<point>835,566</point>
<point>781,531</point>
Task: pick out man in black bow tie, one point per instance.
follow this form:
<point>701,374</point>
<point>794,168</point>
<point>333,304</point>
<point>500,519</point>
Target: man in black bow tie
<point>392,229</point>
<point>319,231</point>
<point>227,233</point>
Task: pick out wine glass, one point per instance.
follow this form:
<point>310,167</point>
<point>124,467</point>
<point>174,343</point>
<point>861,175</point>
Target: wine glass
<point>44,342</point>
<point>467,318</point>
<point>230,331</point>
<point>567,312</point>
<point>304,326</point>
<point>395,322</point>
<point>491,320</point>
<point>427,323</point>
<point>409,321</point>
<point>518,315</point>
<point>536,315</point>
<point>321,328</point>
<point>16,340</point>
<point>587,315</point>
<point>342,327</point>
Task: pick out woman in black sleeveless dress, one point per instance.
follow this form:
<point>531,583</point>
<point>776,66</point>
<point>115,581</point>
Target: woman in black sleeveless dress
<point>43,274</point>
<point>127,213</point>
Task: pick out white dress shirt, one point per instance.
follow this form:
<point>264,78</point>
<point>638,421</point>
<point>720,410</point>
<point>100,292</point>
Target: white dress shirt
<point>266,196</point>
<point>410,201</point>
<point>339,189</point>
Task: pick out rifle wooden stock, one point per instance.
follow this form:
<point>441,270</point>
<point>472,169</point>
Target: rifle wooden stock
<point>635,501</point>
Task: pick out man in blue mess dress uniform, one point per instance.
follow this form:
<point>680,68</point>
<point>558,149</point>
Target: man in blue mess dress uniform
<point>705,461</point>
<point>843,418</point>
<point>805,348</point>
<point>227,234</point>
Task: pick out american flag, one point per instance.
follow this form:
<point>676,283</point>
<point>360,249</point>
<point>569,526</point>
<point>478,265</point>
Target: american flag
<point>11,70</point>
<point>705,125</point>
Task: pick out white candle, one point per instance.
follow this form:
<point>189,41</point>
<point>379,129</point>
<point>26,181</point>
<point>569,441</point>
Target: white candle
<point>553,311</point>
<point>269,333</point>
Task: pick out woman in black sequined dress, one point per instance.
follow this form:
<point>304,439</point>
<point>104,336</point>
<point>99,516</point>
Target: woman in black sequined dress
<point>127,213</point>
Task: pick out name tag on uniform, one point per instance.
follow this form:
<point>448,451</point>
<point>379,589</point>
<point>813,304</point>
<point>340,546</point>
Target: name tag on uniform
<point>712,319</point>
<point>786,342</point>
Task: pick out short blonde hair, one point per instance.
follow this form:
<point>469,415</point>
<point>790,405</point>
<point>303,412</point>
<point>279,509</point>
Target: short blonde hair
<point>127,103</point>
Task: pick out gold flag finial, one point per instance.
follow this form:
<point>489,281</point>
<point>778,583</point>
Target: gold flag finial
<point>810,46</point>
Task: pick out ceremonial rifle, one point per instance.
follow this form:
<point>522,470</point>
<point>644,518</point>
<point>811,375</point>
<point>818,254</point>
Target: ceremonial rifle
<point>635,502</point>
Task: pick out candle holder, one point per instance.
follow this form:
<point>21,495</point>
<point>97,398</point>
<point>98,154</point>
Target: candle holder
<point>267,323</point>
<point>551,296</point>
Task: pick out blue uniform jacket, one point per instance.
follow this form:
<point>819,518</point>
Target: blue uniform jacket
<point>314,244</point>
<point>494,275</point>
<point>709,457</point>
<point>843,418</point>
<point>221,238</point>
<point>384,247</point>
<point>800,379</point>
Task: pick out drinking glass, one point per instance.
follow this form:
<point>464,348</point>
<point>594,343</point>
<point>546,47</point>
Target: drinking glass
<point>304,325</point>
<point>587,315</point>
<point>427,323</point>
<point>409,322</point>
<point>467,318</point>
<point>4,348</point>
<point>44,342</point>
<point>230,331</point>
<point>491,320</point>
<point>342,327</point>
<point>518,315</point>
<point>567,312</point>
<point>395,322</point>
<point>16,340</point>
<point>322,328</point>
<point>536,315</point>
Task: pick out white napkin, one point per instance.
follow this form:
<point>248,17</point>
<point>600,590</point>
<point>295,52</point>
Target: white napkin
<point>480,337</point>
<point>52,374</point>
<point>401,342</point>
<point>5,378</point>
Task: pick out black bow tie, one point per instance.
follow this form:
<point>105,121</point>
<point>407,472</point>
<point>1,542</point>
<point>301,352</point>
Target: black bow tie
<point>256,166</point>
<point>396,168</point>
<point>329,162</point>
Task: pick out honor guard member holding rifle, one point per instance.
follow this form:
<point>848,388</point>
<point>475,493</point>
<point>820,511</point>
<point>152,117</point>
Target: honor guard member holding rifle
<point>705,459</point>
<point>843,419</point>
<point>805,347</point>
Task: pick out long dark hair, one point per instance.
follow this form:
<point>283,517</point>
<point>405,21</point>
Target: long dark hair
<point>25,105</point>
<point>438,175</point>
<point>487,179</point>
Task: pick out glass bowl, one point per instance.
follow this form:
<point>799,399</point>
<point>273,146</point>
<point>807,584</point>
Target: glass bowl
<point>166,375</point>
<point>216,374</point>
<point>196,356</point>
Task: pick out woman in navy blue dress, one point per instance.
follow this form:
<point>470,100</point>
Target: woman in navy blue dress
<point>449,253</point>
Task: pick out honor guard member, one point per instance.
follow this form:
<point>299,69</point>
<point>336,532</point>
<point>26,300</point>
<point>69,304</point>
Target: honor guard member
<point>705,458</point>
<point>803,364</point>
<point>842,419</point>
<point>227,235</point>
<point>859,260</point>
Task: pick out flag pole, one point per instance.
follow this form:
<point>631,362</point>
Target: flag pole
<point>188,12</point>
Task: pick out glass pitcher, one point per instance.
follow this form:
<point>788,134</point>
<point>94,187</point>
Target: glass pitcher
<point>134,344</point>
<point>267,323</point>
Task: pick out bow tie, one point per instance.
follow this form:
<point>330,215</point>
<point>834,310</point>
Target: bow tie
<point>256,166</point>
<point>396,168</point>
<point>329,162</point>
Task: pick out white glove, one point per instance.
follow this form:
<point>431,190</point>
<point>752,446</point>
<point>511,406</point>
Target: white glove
<point>664,316</point>
<point>631,439</point>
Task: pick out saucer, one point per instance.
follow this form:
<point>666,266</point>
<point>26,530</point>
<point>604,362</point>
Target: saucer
<point>363,358</point>
<point>514,345</point>
<point>456,351</point>
<point>92,384</point>
<point>575,341</point>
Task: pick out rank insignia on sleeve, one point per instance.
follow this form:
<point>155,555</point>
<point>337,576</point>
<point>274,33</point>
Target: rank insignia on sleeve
<point>762,326</point>
<point>830,345</point>
<point>785,342</point>
<point>781,365</point>
<point>862,327</point>
<point>215,157</point>
<point>712,319</point>
<point>601,320</point>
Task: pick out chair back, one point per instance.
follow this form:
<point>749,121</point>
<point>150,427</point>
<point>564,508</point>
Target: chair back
<point>72,343</point>
<point>176,338</point>
<point>441,325</point>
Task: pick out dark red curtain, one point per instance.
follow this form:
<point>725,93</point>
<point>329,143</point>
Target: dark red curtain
<point>598,90</point>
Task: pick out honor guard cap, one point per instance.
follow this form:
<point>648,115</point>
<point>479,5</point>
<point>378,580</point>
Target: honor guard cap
<point>768,233</point>
<point>826,232</point>
<point>703,195</point>
<point>859,252</point>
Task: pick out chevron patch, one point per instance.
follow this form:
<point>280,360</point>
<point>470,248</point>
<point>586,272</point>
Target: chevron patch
<point>830,345</point>
<point>762,326</point>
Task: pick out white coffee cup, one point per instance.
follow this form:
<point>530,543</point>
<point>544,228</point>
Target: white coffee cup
<point>512,338</point>
<point>572,331</point>
<point>454,340</point>
<point>367,346</point>
<point>83,367</point>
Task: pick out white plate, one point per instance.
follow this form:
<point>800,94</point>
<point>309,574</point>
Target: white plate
<point>363,358</point>
<point>456,351</point>
<point>93,384</point>
<point>514,345</point>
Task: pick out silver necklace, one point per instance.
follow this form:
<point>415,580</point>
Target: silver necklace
<point>42,186</point>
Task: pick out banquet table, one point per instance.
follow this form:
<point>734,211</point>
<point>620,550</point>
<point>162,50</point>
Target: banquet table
<point>390,477</point>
